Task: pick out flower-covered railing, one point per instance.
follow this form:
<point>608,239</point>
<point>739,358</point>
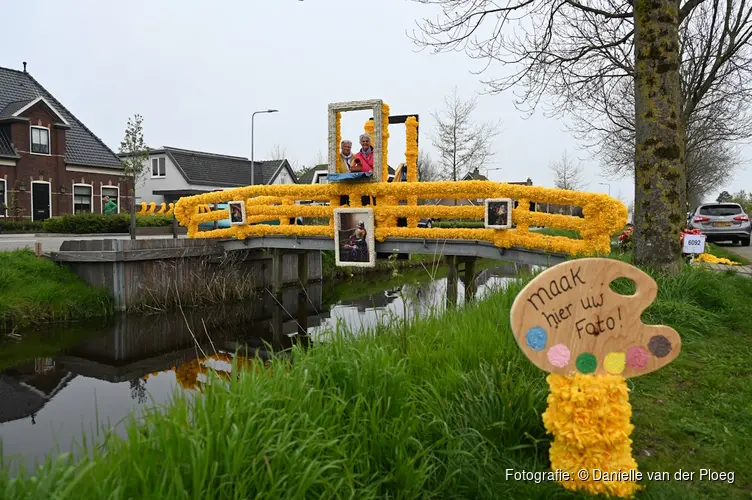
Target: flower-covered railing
<point>603,215</point>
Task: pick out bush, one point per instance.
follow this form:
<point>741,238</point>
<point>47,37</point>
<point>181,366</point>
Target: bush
<point>100,223</point>
<point>20,226</point>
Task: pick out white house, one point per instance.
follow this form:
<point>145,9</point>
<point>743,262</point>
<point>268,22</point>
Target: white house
<point>174,173</point>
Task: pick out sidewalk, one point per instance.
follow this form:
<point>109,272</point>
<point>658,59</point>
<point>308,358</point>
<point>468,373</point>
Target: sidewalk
<point>743,270</point>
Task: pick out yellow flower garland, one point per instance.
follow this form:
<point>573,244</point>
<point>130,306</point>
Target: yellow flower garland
<point>339,163</point>
<point>603,215</point>
<point>589,417</point>
<point>712,259</point>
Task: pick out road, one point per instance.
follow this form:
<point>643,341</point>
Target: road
<point>742,251</point>
<point>52,243</point>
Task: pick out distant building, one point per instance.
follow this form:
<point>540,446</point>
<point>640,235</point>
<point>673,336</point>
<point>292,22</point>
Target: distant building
<point>174,173</point>
<point>50,162</point>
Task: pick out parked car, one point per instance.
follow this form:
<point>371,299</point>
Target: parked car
<point>427,223</point>
<point>225,223</point>
<point>722,222</point>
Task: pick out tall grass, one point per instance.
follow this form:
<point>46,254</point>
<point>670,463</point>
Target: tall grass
<point>35,290</point>
<point>361,417</point>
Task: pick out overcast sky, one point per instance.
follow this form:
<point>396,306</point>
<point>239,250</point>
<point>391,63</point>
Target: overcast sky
<point>196,70</point>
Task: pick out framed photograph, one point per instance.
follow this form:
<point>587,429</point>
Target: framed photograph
<point>237,212</point>
<point>499,213</point>
<point>354,243</point>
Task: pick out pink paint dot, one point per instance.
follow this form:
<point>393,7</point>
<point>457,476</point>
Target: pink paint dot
<point>637,357</point>
<point>559,355</point>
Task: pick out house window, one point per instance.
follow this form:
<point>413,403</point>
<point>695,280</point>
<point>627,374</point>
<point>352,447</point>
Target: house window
<point>157,167</point>
<point>3,199</point>
<point>40,140</point>
<point>82,195</point>
<point>114,193</point>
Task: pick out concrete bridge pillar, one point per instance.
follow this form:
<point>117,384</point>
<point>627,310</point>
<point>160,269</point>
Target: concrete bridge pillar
<point>451,261</point>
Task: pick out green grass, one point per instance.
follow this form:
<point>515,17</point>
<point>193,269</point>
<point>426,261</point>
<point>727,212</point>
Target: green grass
<point>361,418</point>
<point>726,253</point>
<point>35,290</point>
<point>557,232</point>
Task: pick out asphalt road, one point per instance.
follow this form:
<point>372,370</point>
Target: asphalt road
<point>52,243</point>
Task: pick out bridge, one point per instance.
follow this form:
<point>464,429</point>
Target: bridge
<point>393,209</point>
<point>399,200</point>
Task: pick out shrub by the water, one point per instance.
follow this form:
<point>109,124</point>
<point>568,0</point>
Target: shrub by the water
<point>100,223</point>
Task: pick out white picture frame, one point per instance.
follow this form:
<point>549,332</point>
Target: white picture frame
<point>492,218</point>
<point>236,215</point>
<point>346,222</point>
<point>375,105</point>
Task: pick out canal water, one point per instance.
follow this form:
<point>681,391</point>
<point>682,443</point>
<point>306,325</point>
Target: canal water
<point>60,385</point>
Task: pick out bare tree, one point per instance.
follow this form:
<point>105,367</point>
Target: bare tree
<point>278,152</point>
<point>135,162</point>
<point>462,144</point>
<point>567,174</point>
<point>581,55</point>
<point>319,159</point>
<point>428,170</point>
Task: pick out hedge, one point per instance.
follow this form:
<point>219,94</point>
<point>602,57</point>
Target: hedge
<point>20,226</point>
<point>100,223</point>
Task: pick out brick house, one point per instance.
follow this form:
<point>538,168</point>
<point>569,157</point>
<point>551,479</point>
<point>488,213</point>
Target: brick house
<point>50,163</point>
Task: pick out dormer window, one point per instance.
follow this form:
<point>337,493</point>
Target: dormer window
<point>40,140</point>
<point>157,167</point>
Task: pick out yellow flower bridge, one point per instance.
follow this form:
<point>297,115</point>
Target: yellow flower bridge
<point>602,215</point>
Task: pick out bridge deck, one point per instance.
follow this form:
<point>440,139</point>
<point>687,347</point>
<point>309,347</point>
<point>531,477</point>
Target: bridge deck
<point>461,248</point>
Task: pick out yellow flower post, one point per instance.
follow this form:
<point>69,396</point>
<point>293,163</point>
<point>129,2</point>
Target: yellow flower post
<point>570,323</point>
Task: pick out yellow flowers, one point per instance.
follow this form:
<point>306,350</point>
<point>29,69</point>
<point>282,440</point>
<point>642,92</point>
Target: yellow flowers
<point>712,259</point>
<point>589,417</point>
<point>151,209</point>
<point>603,215</point>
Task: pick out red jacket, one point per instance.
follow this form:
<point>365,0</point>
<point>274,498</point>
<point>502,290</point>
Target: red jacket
<point>365,161</point>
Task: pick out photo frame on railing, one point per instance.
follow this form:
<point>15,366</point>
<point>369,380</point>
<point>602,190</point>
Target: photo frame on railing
<point>498,213</point>
<point>237,212</point>
<point>354,242</point>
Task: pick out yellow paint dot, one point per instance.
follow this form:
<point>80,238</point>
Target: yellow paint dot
<point>614,362</point>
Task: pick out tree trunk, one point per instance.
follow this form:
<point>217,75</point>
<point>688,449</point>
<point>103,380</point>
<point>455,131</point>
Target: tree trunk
<point>133,215</point>
<point>660,185</point>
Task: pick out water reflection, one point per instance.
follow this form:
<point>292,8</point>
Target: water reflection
<point>59,384</point>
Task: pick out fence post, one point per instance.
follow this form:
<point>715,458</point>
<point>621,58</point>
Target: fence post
<point>174,227</point>
<point>38,248</point>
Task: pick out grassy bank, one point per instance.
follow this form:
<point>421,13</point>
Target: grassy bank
<point>35,290</point>
<point>726,253</point>
<point>361,418</point>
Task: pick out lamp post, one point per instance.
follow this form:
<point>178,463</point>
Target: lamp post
<point>606,184</point>
<point>253,115</point>
<point>492,169</point>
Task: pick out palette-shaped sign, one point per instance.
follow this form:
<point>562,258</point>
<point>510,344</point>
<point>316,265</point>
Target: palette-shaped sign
<point>568,321</point>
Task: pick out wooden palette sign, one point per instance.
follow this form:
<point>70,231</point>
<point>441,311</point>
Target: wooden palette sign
<point>568,320</point>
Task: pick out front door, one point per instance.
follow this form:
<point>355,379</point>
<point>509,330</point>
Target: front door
<point>40,201</point>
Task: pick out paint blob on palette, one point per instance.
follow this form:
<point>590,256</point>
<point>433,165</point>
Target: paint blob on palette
<point>568,321</point>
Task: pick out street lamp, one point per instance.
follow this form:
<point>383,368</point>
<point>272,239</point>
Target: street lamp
<point>253,170</point>
<point>606,184</point>
<point>491,169</point>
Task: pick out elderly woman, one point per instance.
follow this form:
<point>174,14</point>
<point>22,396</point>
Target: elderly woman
<point>364,157</point>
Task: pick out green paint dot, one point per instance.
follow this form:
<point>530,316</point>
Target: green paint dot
<point>586,363</point>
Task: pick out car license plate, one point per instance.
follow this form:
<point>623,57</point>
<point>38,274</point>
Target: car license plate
<point>722,224</point>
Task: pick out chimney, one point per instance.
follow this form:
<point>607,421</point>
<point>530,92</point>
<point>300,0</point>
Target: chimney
<point>475,172</point>
<point>24,63</point>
